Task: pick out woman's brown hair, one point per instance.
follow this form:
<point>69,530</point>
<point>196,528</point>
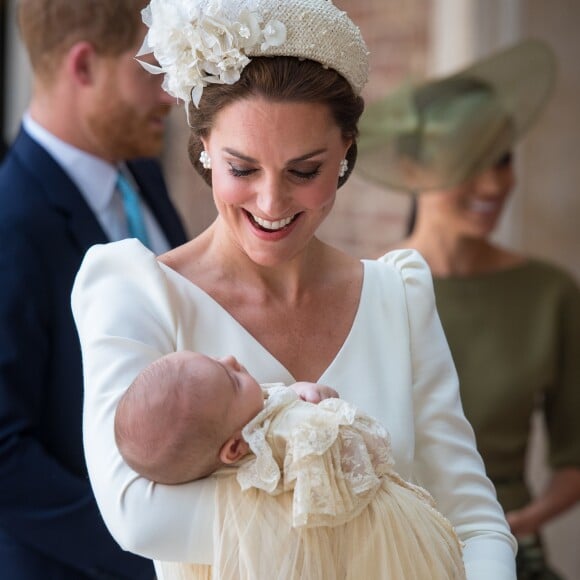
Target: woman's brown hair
<point>279,79</point>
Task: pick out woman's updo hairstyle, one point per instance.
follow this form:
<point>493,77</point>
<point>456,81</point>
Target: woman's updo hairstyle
<point>279,79</point>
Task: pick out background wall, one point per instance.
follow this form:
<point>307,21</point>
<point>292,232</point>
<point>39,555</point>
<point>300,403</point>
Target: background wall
<point>367,218</point>
<point>545,220</point>
<point>17,82</point>
<point>550,208</point>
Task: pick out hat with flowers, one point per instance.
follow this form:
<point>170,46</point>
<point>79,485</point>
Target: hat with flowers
<point>198,42</point>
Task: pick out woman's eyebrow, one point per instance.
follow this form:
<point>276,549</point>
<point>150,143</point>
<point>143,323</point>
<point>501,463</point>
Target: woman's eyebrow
<point>308,155</point>
<point>243,157</point>
<point>240,156</point>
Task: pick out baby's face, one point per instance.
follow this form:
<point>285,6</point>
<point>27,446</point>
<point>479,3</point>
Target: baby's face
<point>239,394</point>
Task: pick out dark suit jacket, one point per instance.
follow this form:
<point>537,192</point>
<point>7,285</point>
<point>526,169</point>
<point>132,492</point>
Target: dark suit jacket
<point>50,527</point>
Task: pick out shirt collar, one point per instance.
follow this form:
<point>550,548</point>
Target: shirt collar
<point>95,177</point>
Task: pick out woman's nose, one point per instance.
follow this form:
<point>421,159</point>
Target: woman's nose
<point>493,181</point>
<point>272,197</point>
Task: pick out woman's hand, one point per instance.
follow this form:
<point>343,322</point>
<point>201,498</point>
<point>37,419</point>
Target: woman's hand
<point>562,492</point>
<point>524,522</point>
<point>313,392</point>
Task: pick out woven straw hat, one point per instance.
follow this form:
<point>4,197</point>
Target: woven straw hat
<point>317,30</point>
<point>440,133</point>
<point>198,42</point>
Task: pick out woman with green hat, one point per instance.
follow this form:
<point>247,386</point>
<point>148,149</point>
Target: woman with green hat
<point>513,322</point>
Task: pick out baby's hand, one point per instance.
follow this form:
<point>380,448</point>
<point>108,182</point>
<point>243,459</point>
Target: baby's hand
<point>313,392</point>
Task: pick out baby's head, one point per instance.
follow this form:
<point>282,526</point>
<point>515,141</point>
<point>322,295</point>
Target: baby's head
<point>182,416</point>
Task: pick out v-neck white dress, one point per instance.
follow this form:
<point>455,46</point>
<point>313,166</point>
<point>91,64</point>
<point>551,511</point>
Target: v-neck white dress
<point>395,365</point>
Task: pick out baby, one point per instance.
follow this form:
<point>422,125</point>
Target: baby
<point>313,496</point>
<point>182,417</point>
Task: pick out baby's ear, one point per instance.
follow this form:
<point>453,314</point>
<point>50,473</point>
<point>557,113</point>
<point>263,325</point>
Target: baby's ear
<point>233,449</point>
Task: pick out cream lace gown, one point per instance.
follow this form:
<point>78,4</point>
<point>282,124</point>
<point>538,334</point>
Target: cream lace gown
<point>319,500</point>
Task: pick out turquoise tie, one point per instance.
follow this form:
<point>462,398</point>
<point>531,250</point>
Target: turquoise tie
<point>132,207</point>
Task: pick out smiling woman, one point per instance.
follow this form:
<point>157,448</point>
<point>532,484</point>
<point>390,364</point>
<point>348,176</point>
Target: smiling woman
<point>525,355</point>
<point>266,188</point>
<point>275,136</point>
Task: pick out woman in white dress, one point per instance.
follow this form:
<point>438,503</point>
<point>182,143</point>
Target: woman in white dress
<point>273,95</point>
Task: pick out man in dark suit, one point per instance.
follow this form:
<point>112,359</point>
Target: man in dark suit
<point>94,114</point>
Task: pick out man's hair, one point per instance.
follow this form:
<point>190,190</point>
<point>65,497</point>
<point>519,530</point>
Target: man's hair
<point>167,427</point>
<point>49,28</point>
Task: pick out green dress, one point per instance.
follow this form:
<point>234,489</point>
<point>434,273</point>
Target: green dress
<point>515,340</point>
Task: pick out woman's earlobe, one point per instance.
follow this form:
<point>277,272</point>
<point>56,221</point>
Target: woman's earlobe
<point>204,143</point>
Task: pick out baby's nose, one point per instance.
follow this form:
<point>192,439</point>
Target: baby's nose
<point>231,361</point>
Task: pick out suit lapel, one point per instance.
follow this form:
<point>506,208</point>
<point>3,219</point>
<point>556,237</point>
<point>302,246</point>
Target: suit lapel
<point>63,195</point>
<point>60,191</point>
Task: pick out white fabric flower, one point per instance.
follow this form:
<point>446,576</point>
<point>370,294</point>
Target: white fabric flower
<point>195,47</point>
<point>274,34</point>
<point>248,29</point>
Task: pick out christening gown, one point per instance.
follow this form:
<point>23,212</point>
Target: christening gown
<point>319,500</point>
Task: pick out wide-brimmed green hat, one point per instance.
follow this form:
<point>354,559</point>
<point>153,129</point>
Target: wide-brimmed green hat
<point>439,133</point>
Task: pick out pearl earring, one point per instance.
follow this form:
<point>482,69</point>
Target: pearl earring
<point>343,168</point>
<point>205,159</point>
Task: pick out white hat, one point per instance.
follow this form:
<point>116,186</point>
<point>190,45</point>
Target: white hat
<point>197,42</point>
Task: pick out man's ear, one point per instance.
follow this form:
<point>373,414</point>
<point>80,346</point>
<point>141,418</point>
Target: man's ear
<point>81,62</point>
<point>233,449</point>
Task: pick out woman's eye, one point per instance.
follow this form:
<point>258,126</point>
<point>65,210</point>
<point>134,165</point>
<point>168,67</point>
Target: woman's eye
<point>302,175</point>
<point>305,175</point>
<point>237,172</point>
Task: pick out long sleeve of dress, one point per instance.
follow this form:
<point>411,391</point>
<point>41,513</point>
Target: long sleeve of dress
<point>446,461</point>
<point>125,322</point>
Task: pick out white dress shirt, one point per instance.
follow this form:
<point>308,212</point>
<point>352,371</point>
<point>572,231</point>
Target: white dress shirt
<point>96,180</point>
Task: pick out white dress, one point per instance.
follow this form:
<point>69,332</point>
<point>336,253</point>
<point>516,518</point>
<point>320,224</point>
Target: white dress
<point>318,499</point>
<point>395,365</point>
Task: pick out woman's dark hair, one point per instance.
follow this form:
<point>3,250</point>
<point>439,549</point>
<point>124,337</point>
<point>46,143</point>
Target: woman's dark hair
<point>503,162</point>
<point>279,79</point>
<point>412,218</point>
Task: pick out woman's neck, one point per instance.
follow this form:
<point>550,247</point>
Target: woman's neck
<point>451,255</point>
<point>317,266</point>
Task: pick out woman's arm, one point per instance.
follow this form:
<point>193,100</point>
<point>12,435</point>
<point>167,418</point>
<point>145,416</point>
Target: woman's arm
<point>446,460</point>
<point>560,406</point>
<point>561,493</point>
<point>127,318</point>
